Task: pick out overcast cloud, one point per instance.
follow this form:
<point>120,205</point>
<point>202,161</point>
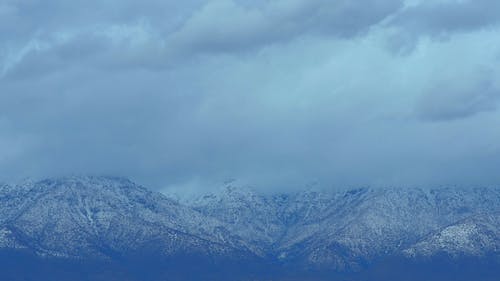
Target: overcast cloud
<point>277,94</point>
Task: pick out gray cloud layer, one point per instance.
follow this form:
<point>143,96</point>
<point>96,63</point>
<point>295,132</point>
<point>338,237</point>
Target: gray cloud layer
<point>439,17</point>
<point>275,93</point>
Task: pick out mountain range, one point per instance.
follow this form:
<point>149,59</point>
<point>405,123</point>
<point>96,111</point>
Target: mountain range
<point>107,228</point>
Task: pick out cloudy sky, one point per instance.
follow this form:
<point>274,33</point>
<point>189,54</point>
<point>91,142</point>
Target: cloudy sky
<point>277,94</point>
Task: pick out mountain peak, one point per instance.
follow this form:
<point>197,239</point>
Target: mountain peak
<point>107,216</point>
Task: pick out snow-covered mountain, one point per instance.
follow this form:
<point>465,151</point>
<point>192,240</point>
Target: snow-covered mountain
<point>83,217</point>
<point>475,236</point>
<point>344,229</point>
<point>108,218</point>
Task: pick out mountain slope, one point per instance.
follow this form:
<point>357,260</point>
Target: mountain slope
<point>102,217</point>
<point>475,236</point>
<point>344,229</point>
<point>242,234</point>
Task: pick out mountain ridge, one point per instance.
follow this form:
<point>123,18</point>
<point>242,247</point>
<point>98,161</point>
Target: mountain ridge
<point>110,218</point>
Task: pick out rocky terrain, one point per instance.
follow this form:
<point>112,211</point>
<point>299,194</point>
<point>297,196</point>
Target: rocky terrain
<point>113,220</point>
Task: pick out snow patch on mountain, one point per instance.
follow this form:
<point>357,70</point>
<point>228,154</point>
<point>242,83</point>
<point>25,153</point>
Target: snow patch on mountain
<point>475,236</point>
<point>104,217</point>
